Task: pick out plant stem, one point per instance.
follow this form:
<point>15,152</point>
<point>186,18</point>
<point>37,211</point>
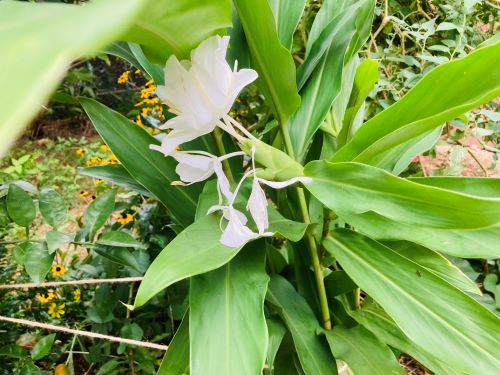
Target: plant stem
<point>217,135</point>
<point>318,274</point>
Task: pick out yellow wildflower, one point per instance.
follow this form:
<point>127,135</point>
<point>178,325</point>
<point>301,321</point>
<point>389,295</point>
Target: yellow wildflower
<point>93,160</point>
<point>77,295</point>
<point>137,72</point>
<point>146,111</point>
<point>58,270</point>
<point>83,193</point>
<point>80,152</point>
<point>45,297</point>
<point>138,121</point>
<point>123,77</point>
<point>148,83</point>
<point>98,181</point>
<point>125,218</point>
<point>104,148</point>
<point>55,310</point>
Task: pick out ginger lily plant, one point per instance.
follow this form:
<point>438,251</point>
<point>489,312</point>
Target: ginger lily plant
<point>346,267</point>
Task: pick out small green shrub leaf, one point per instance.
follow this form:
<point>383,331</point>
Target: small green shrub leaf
<point>52,207</point>
<point>20,206</point>
<point>37,261</point>
<point>42,347</point>
<point>118,239</point>
<point>98,212</point>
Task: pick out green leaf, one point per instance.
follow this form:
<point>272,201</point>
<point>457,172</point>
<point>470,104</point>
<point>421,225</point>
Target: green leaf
<point>42,347</point>
<point>362,351</point>
<point>52,207</point>
<point>118,239</point>
<point>337,283</point>
<point>302,324</point>
<point>37,261</point>
<point>233,297</point>
<point>320,77</point>
<point>150,168</point>
<point>292,230</point>
<point>435,263</point>
<point>445,321</point>
<point>355,188</point>
<point>56,239</point>
<point>287,16</point>
<point>479,243</point>
<point>20,206</point>
<point>377,321</point>
<point>176,27</point>
<point>116,174</point>
<point>107,367</point>
<point>118,255</point>
<point>176,360</point>
<point>13,351</point>
<point>197,249</point>
<point>51,35</point>
<point>98,212</point>
<point>438,97</point>
<point>276,331</point>
<point>478,186</point>
<point>364,82</point>
<point>273,62</point>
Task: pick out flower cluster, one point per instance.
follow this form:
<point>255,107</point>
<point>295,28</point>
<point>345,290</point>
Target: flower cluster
<point>201,93</point>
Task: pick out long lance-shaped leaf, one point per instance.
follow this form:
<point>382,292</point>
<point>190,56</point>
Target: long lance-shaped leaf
<point>197,249</point>
<point>287,16</point>
<point>355,188</point>
<point>50,35</point>
<point>445,321</point>
<point>314,357</point>
<point>176,27</point>
<point>479,186</point>
<point>272,61</point>
<point>176,360</point>
<point>150,168</point>
<point>444,93</point>
<point>478,243</point>
<point>228,332</point>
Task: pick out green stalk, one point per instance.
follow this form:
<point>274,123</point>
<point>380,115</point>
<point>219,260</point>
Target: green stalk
<point>217,135</point>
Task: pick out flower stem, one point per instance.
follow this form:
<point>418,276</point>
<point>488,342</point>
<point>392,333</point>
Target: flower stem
<point>217,135</point>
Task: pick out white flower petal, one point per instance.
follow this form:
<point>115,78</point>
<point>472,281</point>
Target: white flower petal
<point>222,181</point>
<point>283,184</point>
<point>236,233</point>
<point>257,205</point>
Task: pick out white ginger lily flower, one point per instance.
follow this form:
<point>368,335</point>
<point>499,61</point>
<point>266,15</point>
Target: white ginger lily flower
<point>201,92</point>
<point>196,166</point>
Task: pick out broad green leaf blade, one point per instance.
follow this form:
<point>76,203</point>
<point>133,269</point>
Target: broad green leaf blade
<point>50,35</point>
<point>444,93</point>
<point>435,263</point>
<point>176,360</point>
<point>98,212</point>
<point>478,186</point>
<point>302,324</point>
<point>175,27</point>
<point>479,243</point>
<point>377,321</point>
<point>287,16</point>
<point>42,347</point>
<point>447,322</point>
<point>116,174</point>
<point>337,283</point>
<point>150,168</point>
<point>235,339</point>
<point>57,239</point>
<point>52,207</point>
<point>37,261</point>
<point>118,239</point>
<point>292,230</point>
<point>197,249</point>
<point>321,74</point>
<point>364,82</point>
<point>276,331</point>
<point>272,61</point>
<point>355,188</point>
<point>362,351</point>
<point>20,206</point>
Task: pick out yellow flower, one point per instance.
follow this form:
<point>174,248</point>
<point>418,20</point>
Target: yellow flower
<point>45,297</point>
<point>138,121</point>
<point>83,193</point>
<point>80,152</point>
<point>137,72</point>
<point>55,310</point>
<point>98,181</point>
<point>77,294</point>
<point>148,83</point>
<point>124,77</point>
<point>110,159</point>
<point>93,160</point>
<point>58,270</point>
<point>104,148</point>
<point>125,218</point>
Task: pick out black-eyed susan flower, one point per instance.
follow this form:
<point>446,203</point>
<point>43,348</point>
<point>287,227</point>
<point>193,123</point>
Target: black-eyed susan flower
<point>55,310</point>
<point>98,181</point>
<point>123,77</point>
<point>77,295</point>
<point>125,218</point>
<point>45,297</point>
<point>58,270</point>
<point>104,148</point>
<point>80,152</point>
<point>93,160</point>
<point>83,193</point>
<point>137,72</point>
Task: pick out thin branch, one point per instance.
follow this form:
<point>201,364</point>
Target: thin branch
<point>72,282</point>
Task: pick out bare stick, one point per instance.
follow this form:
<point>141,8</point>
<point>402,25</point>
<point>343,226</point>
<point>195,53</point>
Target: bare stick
<point>72,282</point>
